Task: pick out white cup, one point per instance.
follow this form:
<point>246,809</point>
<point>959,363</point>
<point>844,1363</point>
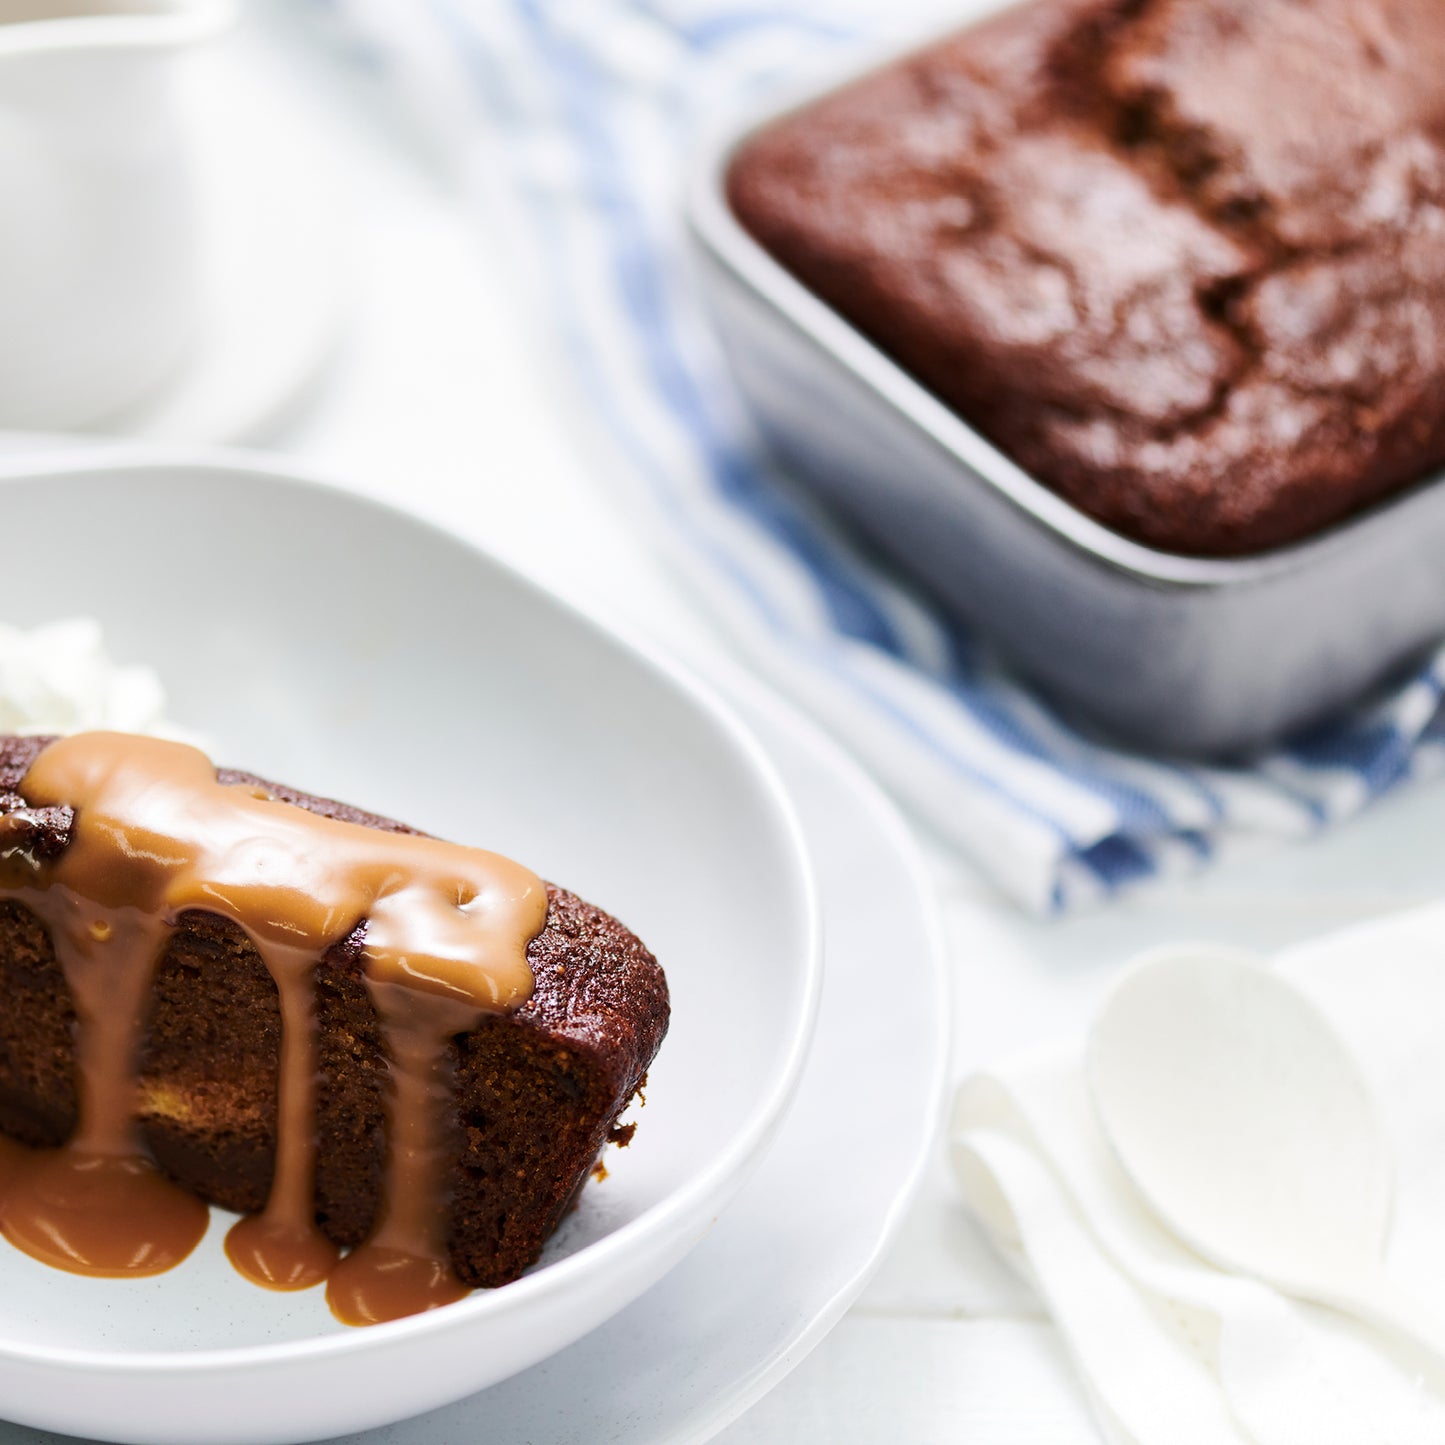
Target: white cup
<point>100,267</point>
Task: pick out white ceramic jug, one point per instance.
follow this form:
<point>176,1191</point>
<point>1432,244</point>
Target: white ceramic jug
<point>99,261</point>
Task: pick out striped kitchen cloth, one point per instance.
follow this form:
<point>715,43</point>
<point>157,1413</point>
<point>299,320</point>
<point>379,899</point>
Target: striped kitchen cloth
<point>571,122</point>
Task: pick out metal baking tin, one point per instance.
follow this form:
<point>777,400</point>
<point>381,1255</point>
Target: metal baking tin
<point>1192,656</point>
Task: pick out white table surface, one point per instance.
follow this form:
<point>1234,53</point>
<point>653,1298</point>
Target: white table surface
<point>442,399</point>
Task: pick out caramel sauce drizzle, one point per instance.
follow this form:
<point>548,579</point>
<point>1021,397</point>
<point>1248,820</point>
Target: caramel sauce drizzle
<point>154,835</point>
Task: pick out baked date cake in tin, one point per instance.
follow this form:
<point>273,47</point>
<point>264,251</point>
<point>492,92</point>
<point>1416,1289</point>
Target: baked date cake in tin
<point>1149,393</point>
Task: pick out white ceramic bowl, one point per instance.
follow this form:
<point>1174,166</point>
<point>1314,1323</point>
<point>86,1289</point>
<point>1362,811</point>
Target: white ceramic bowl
<point>343,647</point>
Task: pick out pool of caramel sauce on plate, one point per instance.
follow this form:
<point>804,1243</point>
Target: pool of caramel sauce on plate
<point>155,834</point>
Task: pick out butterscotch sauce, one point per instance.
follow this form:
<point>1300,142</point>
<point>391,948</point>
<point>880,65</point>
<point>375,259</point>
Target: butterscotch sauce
<point>405,1260</point>
<point>281,1248</point>
<point>154,834</point>
<point>98,1206</point>
<point>100,1214</point>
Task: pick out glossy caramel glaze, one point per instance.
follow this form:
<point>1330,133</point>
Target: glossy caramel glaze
<point>154,834</point>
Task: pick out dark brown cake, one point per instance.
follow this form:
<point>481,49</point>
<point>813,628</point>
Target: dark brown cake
<point>538,1091</point>
<point>1183,260</point>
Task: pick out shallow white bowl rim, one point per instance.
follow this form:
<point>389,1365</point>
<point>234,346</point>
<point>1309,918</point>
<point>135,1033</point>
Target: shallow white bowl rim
<point>685,1205</point>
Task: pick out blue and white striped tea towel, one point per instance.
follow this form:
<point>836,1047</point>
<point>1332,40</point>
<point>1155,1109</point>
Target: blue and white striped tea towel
<point>576,117</point>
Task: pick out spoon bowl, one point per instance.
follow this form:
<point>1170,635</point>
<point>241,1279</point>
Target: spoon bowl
<point>1244,1122</point>
<point>1241,1116</point>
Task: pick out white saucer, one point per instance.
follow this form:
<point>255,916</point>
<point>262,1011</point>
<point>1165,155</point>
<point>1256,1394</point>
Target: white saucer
<point>277,246</point>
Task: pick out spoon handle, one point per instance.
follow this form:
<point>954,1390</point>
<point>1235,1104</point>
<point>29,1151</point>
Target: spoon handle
<point>1381,1303</point>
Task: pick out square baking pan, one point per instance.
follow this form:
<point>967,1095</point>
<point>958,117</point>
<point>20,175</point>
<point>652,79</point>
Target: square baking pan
<point>1213,657</point>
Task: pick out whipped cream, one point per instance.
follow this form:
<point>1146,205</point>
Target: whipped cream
<point>57,678</point>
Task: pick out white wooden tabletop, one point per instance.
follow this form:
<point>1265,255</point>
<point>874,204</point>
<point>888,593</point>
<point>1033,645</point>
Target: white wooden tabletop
<point>442,399</point>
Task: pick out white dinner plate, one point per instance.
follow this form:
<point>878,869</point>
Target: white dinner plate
<point>326,641</point>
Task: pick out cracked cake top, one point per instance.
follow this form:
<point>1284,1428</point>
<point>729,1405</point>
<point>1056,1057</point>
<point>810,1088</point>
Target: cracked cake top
<point>1183,260</point>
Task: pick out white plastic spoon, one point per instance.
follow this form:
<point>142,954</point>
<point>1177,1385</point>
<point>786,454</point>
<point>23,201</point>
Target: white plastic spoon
<point>1243,1120</point>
